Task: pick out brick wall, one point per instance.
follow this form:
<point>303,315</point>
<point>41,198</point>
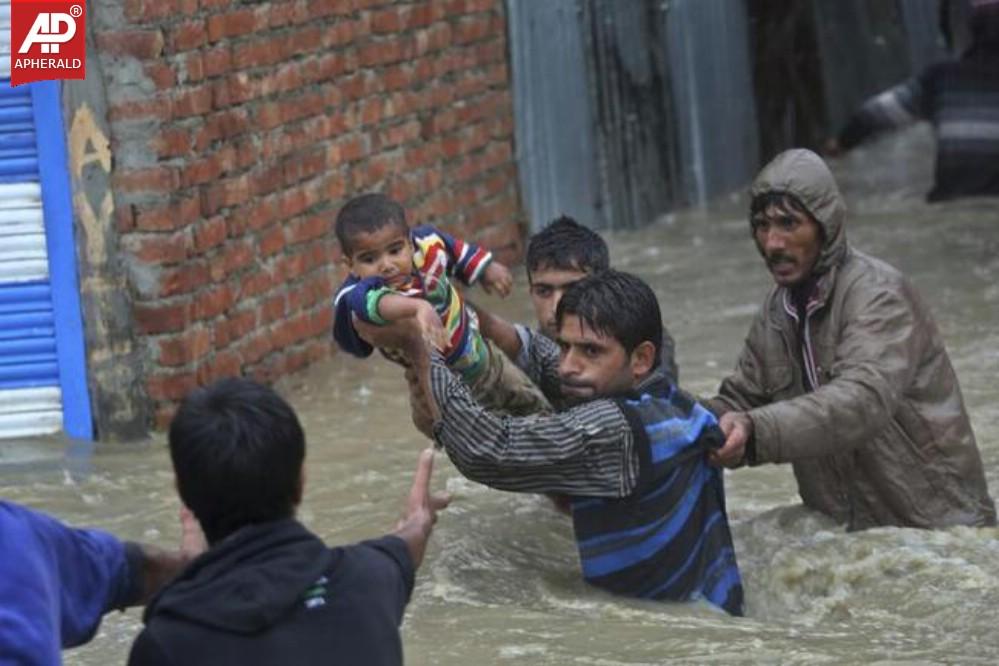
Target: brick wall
<point>239,128</point>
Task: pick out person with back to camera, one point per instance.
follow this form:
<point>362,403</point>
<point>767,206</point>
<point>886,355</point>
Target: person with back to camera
<point>267,590</point>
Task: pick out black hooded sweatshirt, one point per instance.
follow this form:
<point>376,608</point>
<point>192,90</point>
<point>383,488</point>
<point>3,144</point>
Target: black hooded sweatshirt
<point>275,594</point>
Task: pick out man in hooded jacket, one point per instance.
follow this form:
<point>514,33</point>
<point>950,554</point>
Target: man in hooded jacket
<point>844,373</point>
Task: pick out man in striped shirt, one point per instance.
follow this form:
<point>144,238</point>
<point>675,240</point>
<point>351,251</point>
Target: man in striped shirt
<point>626,446</point>
<point>960,99</point>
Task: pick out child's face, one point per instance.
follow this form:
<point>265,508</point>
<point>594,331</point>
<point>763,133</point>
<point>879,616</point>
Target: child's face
<point>386,253</point>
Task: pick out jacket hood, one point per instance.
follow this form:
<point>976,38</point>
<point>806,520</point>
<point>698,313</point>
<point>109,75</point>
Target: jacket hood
<point>248,581</point>
<point>805,175</point>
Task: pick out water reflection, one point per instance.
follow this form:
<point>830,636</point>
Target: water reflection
<point>501,582</point>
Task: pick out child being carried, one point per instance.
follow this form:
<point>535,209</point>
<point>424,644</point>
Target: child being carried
<point>398,272</point>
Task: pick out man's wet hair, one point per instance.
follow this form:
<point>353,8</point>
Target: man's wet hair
<point>617,304</point>
<point>567,245</point>
<point>366,214</point>
<point>785,200</point>
<point>237,450</point>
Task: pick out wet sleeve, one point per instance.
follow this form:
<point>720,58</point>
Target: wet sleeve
<point>586,450</point>
<point>539,358</point>
<point>94,576</point>
<point>466,260</point>
<point>356,299</point>
<point>146,651</point>
<point>896,107</point>
<point>745,388</point>
<point>394,567</point>
<point>877,354</point>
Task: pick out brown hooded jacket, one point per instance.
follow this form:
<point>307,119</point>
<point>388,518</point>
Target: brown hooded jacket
<point>884,439</point>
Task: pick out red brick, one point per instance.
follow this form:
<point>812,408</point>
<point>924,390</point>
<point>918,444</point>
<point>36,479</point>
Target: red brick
<point>380,53</point>
<point>301,167</point>
<point>159,179</point>
<point>152,318</point>
<point>291,330</point>
<point>393,136</point>
<point>321,8</point>
<point>188,35</point>
<point>305,40</point>
<point>192,101</point>
<point>161,248</point>
<point>172,142</point>
<point>257,216</point>
<point>271,241</point>
<point>217,61</point>
<point>256,283</point>
<point>236,256</point>
<point>177,214</point>
<point>223,364</point>
<point>194,68</point>
<point>147,11</point>
<point>225,194</point>
<point>153,107</point>
<point>185,348</point>
<point>141,44</point>
<point>316,226</point>
<point>232,24</point>
<point>234,327</point>
<point>213,301</point>
<point>389,20</point>
<point>171,386</point>
<point>273,308</point>
<point>209,233</point>
<point>257,53</point>
<point>256,347</point>
<point>204,170</point>
<point>161,74</point>
<point>183,279</point>
<point>124,219</point>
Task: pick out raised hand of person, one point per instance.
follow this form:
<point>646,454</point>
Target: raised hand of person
<point>421,510</point>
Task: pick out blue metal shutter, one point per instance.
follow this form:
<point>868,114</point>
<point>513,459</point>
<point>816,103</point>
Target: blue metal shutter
<point>30,398</point>
<point>36,364</point>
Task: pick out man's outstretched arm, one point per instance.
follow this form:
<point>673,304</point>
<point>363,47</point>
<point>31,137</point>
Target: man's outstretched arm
<point>587,450</point>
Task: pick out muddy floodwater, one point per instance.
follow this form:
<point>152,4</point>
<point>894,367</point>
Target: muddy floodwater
<point>501,582</point>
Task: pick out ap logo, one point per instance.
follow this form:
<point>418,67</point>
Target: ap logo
<point>50,30</point>
<point>49,36</point>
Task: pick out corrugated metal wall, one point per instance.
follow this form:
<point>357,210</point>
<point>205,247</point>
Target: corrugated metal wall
<point>625,110</point>
<point>708,50</point>
<point>628,108</point>
<point>556,156</point>
<point>635,127</point>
